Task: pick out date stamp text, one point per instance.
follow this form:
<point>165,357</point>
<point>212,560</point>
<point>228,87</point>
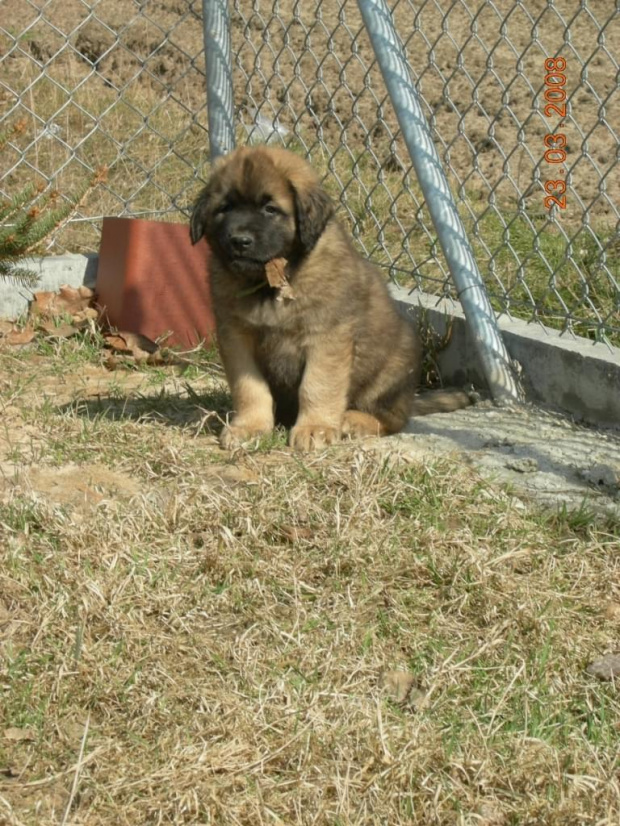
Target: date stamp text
<point>555,144</point>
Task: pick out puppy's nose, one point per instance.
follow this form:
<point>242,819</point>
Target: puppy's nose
<point>241,241</point>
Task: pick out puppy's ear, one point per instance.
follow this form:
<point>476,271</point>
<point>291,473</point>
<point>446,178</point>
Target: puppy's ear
<point>313,209</point>
<point>200,214</point>
<point>205,203</point>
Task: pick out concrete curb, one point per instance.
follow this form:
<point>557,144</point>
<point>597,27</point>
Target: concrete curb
<point>53,272</point>
<point>573,375</point>
<point>568,374</point>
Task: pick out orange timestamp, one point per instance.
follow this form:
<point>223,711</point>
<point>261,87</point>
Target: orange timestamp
<point>555,144</point>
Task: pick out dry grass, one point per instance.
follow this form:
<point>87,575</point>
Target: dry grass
<point>135,101</point>
<point>188,637</point>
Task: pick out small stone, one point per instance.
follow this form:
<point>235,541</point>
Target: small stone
<point>18,734</point>
<point>497,441</point>
<point>612,611</point>
<point>607,668</point>
<point>526,465</point>
<point>402,688</point>
<point>398,684</point>
<point>417,699</point>
<point>490,814</point>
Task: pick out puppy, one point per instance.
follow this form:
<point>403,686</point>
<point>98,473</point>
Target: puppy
<point>308,333</point>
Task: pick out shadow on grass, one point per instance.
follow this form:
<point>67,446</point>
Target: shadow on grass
<point>208,409</point>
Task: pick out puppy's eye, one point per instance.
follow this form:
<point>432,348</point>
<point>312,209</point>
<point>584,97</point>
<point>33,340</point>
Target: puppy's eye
<point>223,209</point>
<point>271,210</point>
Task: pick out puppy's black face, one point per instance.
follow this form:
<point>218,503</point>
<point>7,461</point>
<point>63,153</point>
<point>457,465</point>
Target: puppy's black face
<point>248,234</point>
<point>256,208</point>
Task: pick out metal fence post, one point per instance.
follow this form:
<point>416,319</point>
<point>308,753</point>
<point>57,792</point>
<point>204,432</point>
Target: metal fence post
<point>448,225</point>
<point>220,100</point>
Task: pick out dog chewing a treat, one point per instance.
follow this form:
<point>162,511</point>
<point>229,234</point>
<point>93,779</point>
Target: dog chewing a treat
<point>308,333</point>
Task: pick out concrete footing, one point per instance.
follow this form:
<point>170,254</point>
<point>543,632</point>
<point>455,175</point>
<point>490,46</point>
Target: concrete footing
<point>569,374</point>
<point>53,272</point>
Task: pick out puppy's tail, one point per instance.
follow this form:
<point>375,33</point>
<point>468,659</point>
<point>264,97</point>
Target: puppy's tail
<point>442,401</point>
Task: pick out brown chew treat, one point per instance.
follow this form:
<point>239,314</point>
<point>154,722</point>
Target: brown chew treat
<point>286,291</point>
<point>274,270</point>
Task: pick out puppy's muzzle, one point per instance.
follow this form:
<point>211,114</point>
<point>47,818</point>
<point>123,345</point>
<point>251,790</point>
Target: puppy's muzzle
<point>241,242</point>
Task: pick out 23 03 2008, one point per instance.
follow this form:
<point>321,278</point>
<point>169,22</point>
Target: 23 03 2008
<point>555,143</point>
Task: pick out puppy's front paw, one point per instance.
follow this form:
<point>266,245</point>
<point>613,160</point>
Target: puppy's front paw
<point>313,436</point>
<point>234,436</point>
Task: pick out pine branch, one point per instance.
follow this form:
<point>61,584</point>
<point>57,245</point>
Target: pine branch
<point>21,276</point>
<point>31,216</point>
<point>7,211</point>
<point>64,214</point>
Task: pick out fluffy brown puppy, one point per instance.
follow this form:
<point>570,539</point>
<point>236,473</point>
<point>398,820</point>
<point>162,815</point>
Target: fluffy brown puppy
<point>308,333</point>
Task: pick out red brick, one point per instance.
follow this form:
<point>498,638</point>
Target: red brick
<point>151,280</point>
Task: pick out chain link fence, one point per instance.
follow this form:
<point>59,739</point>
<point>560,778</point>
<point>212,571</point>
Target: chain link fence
<point>122,83</point>
<point>104,83</point>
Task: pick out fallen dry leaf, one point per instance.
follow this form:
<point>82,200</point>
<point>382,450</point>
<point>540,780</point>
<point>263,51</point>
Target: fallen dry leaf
<point>72,730</point>
<point>135,345</point>
<point>125,346</point>
<point>402,688</point>
<point>118,344</point>
<point>70,301</point>
<point>605,668</point>
<point>131,342</point>
<point>286,291</point>
<point>85,314</point>
<point>19,337</point>
<point>491,814</point>
<point>58,330</point>
<point>293,533</point>
<point>111,362</point>
<point>18,734</point>
<point>42,302</point>
<point>80,294</point>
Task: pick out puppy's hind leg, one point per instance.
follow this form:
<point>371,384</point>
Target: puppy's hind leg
<point>384,417</point>
<point>441,401</point>
<point>357,424</point>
